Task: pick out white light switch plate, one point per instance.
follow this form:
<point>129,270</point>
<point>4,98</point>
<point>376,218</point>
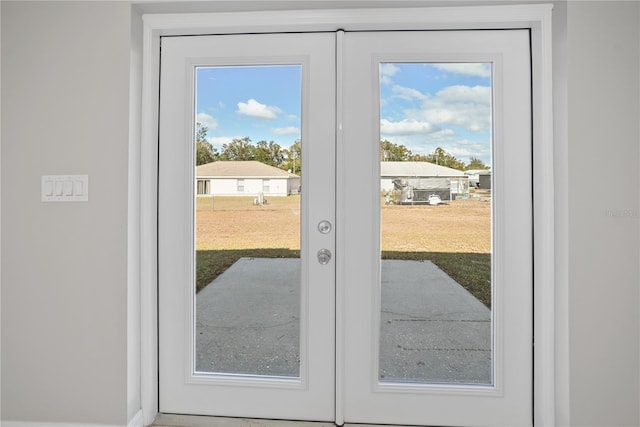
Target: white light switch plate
<point>65,188</point>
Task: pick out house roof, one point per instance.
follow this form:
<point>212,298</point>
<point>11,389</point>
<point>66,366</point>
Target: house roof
<point>409,169</point>
<point>477,171</point>
<point>240,169</point>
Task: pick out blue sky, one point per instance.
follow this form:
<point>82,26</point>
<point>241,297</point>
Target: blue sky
<point>422,106</point>
<point>425,106</point>
<point>262,103</point>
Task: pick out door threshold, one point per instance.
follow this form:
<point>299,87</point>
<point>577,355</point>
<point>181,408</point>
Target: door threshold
<point>173,420</point>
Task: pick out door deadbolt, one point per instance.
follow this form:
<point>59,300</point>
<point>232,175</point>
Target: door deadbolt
<point>324,226</point>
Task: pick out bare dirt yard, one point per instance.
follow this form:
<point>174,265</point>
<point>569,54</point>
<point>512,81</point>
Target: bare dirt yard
<point>455,235</point>
<point>462,226</point>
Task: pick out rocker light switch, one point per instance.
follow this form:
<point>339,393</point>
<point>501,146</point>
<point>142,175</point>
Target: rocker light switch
<point>47,188</point>
<point>65,188</point>
<point>77,187</point>
<point>68,188</point>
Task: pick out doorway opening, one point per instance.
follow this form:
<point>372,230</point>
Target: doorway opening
<point>538,19</point>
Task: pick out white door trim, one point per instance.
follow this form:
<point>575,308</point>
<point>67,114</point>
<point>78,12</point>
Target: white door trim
<point>535,17</point>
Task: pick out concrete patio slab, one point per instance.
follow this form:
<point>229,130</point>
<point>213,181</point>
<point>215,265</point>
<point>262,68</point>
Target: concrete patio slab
<point>432,329</point>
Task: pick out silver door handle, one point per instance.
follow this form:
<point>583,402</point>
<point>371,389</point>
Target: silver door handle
<point>324,256</point>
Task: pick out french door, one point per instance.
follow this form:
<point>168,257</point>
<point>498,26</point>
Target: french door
<point>249,384</point>
<point>321,254</point>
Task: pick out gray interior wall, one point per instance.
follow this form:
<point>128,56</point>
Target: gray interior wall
<point>561,247</point>
<point>66,355</point>
<point>133,222</point>
<point>65,110</point>
<point>603,96</point>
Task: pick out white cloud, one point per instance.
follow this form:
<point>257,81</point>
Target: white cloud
<point>466,151</point>
<point>206,120</point>
<point>253,108</point>
<point>467,69</point>
<point>459,93</point>
<point>407,93</point>
<point>290,130</point>
<point>463,106</point>
<point>386,72</point>
<point>462,148</point>
<point>218,141</point>
<point>406,127</point>
<point>388,69</point>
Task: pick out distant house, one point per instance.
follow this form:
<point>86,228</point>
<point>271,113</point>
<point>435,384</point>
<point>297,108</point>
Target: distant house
<point>485,179</point>
<point>244,178</point>
<point>414,182</point>
<point>474,176</point>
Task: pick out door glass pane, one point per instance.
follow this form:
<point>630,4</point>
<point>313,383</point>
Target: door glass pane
<point>247,243</point>
<point>436,213</point>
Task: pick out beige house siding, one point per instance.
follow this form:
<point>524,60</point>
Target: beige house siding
<point>244,178</point>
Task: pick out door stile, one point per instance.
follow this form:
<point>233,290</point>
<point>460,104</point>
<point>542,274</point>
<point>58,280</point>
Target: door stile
<point>339,196</point>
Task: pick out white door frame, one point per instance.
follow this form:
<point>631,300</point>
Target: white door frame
<point>535,17</point>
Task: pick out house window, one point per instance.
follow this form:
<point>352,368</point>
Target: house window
<point>203,187</point>
<point>266,186</point>
<point>240,188</point>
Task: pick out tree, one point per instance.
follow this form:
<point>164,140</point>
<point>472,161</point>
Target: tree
<point>269,153</point>
<point>475,163</point>
<point>293,161</point>
<point>437,156</point>
<point>442,158</point>
<point>205,153</point>
<point>238,149</point>
<point>418,158</point>
<point>390,152</point>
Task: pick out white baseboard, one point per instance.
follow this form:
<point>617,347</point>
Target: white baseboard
<point>50,424</point>
<point>136,421</point>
